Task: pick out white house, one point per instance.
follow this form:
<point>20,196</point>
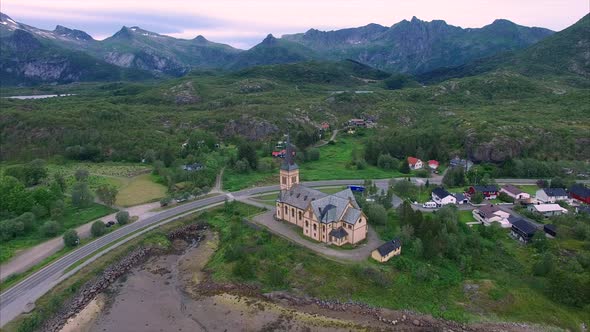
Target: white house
<point>551,195</point>
<point>415,163</point>
<point>547,210</point>
<point>514,192</point>
<point>489,214</point>
<point>443,197</point>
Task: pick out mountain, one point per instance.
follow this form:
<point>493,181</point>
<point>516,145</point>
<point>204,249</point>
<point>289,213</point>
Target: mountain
<point>273,51</point>
<point>417,46</point>
<point>137,48</point>
<point>565,53</point>
<point>31,55</point>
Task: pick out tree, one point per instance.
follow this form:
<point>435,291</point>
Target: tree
<point>376,214</point>
<point>242,166</point>
<point>81,195</point>
<point>28,220</point>
<point>544,266</point>
<point>246,151</point>
<point>35,171</point>
<point>71,238</point>
<point>81,175</point>
<point>107,194</point>
<point>477,198</point>
<point>454,177</point>
<point>57,209</point>
<point>122,217</point>
<point>13,196</point>
<point>540,242</point>
<point>98,228</point>
<point>10,229</point>
<point>404,167</point>
<point>387,162</point>
<point>50,228</point>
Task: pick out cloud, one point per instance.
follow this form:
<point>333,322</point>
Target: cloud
<point>246,21</point>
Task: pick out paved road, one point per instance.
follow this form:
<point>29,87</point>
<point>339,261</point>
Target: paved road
<point>14,300</point>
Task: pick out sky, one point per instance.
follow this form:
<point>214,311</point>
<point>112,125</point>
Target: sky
<point>244,23</point>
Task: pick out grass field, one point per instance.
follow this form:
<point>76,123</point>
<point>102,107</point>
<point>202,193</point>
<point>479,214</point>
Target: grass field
<point>532,190</point>
<point>140,189</point>
<point>335,163</point>
<point>72,218</point>
<point>466,216</point>
<point>233,181</point>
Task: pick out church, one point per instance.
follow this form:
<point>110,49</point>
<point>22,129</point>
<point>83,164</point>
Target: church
<point>334,219</point>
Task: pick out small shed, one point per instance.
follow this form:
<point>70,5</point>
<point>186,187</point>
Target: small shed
<point>387,250</point>
<point>550,229</point>
<point>522,230</point>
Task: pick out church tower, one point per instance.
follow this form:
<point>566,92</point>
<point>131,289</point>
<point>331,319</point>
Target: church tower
<point>289,174</point>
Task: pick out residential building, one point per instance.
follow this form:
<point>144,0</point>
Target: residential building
<point>415,163</point>
<point>580,192</point>
<point>514,192</point>
<point>334,219</point>
<point>488,192</point>
<point>387,250</point>
<point>433,165</point>
<point>461,198</point>
<point>522,230</point>
<point>551,195</point>
<point>489,214</point>
<point>357,123</point>
<point>583,209</point>
<point>550,230</point>
<point>547,210</point>
<point>442,197</point>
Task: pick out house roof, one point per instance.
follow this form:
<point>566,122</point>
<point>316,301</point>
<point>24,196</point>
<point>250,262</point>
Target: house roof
<point>548,208</point>
<point>460,196</point>
<point>339,233</point>
<point>550,227</point>
<point>413,160</point>
<point>489,211</point>
<point>440,192</point>
<point>389,246</point>
<point>580,190</point>
<point>300,196</point>
<point>486,188</point>
<point>524,226</point>
<point>351,215</point>
<point>512,189</point>
<point>554,192</point>
<point>433,163</point>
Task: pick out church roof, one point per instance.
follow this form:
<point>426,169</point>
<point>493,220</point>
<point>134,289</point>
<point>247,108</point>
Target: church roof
<point>300,196</point>
<point>334,207</point>
<point>338,233</point>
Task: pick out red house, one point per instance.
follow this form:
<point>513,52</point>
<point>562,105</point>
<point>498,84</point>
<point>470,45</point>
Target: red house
<point>488,192</point>
<point>325,126</point>
<point>580,192</point>
<point>433,164</point>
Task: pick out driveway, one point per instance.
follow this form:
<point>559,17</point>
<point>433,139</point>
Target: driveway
<point>290,232</point>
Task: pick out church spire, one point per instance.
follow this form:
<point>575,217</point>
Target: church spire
<point>289,162</point>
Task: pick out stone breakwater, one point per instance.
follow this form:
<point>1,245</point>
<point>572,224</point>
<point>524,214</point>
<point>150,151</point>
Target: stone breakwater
<point>400,318</point>
<point>96,286</point>
<point>112,273</point>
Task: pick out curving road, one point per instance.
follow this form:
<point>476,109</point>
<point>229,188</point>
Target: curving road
<point>16,299</point>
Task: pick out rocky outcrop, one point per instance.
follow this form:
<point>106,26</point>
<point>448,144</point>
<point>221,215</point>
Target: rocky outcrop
<point>498,149</point>
<point>250,128</point>
<point>184,94</point>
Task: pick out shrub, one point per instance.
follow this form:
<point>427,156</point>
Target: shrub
<point>50,228</point>
<point>244,269</point>
<point>505,198</point>
<point>81,175</point>
<point>71,238</point>
<point>387,162</point>
<point>39,211</point>
<point>165,201</point>
<point>477,198</point>
<point>376,214</point>
<point>98,228</point>
<point>81,195</point>
<point>122,217</point>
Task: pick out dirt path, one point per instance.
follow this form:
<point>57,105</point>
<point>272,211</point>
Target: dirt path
<point>324,142</point>
<point>28,258</point>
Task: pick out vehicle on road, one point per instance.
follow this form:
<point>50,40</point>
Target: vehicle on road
<point>430,205</point>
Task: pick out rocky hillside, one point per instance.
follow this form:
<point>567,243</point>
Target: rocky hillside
<point>566,53</point>
<point>417,46</point>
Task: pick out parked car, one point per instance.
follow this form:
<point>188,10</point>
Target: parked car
<point>430,205</point>
<point>110,223</point>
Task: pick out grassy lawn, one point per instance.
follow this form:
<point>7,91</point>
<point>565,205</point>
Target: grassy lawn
<point>140,189</point>
<point>115,174</point>
<point>335,161</point>
<point>72,218</point>
<point>466,216</point>
<point>532,190</point>
<point>233,181</point>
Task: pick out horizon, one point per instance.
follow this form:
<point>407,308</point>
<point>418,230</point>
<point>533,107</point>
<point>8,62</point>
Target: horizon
<point>223,21</point>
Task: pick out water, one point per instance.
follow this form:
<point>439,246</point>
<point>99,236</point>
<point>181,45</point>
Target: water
<point>39,96</point>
